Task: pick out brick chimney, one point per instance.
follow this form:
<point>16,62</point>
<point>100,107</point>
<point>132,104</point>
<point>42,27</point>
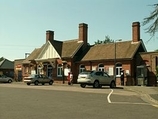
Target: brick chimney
<point>135,31</point>
<point>49,36</point>
<point>83,32</point>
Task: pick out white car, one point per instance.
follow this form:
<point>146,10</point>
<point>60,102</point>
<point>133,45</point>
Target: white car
<point>5,79</point>
<point>96,79</point>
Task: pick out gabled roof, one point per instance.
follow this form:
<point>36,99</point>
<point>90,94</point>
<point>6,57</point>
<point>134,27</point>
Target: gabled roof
<point>48,51</point>
<point>124,50</point>
<point>33,55</point>
<point>64,49</point>
<point>6,64</point>
<point>57,45</point>
<point>70,47</point>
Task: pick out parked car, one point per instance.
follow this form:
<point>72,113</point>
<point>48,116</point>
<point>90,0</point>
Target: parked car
<point>96,79</point>
<point>5,79</point>
<point>38,78</point>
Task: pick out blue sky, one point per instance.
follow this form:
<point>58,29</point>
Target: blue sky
<point>23,23</point>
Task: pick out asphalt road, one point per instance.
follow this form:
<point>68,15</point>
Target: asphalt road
<point>18,101</point>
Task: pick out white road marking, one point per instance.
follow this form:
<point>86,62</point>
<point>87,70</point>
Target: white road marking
<point>109,101</point>
<point>155,106</point>
<point>108,97</point>
<point>131,103</point>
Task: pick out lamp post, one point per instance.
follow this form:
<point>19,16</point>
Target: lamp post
<point>115,58</point>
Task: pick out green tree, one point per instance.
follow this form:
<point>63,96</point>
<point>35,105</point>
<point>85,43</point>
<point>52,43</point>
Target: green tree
<point>105,41</point>
<point>1,58</point>
<point>98,42</point>
<point>153,19</point>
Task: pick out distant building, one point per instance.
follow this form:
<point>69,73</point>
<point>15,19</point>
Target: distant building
<point>6,67</point>
<point>18,69</point>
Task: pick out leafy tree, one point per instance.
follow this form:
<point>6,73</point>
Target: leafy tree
<point>98,42</point>
<point>1,58</point>
<point>153,19</point>
<point>107,40</point>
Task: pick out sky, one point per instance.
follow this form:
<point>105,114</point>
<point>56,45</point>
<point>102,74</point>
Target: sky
<point>23,23</point>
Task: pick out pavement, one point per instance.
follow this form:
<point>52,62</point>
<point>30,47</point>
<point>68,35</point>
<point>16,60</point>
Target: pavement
<point>148,94</point>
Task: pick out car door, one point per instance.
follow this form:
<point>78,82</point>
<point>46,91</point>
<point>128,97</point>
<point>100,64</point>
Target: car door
<point>107,79</point>
<point>45,79</point>
<point>100,77</point>
<point>3,78</point>
<point>41,79</point>
<point>95,76</point>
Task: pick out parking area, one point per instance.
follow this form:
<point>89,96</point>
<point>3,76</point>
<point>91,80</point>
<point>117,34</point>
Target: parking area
<point>19,100</point>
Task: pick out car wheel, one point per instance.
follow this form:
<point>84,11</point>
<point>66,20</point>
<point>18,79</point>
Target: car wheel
<point>112,85</point>
<point>51,82</point>
<point>83,85</point>
<point>42,83</point>
<point>36,83</point>
<point>28,83</point>
<point>9,81</point>
<point>96,84</point>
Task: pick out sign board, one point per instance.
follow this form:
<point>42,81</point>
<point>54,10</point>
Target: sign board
<point>66,71</point>
<point>18,67</point>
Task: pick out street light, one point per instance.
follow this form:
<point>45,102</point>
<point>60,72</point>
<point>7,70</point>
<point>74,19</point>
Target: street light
<point>115,58</point>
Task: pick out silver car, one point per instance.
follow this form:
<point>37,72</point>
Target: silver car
<point>96,79</point>
<point>38,78</point>
<point>5,79</point>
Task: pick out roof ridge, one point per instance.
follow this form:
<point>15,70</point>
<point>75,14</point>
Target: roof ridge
<point>70,40</point>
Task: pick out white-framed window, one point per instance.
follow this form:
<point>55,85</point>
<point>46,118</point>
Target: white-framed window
<point>101,67</point>
<point>59,70</point>
<point>81,68</point>
<point>118,69</point>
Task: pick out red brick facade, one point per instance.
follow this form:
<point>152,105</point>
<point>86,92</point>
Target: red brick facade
<point>150,60</point>
<point>72,56</point>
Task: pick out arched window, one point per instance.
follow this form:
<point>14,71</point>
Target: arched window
<point>100,67</point>
<point>81,68</point>
<point>59,70</point>
<point>118,69</point>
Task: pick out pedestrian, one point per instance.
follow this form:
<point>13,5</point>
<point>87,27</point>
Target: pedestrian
<point>122,77</point>
<point>70,78</point>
